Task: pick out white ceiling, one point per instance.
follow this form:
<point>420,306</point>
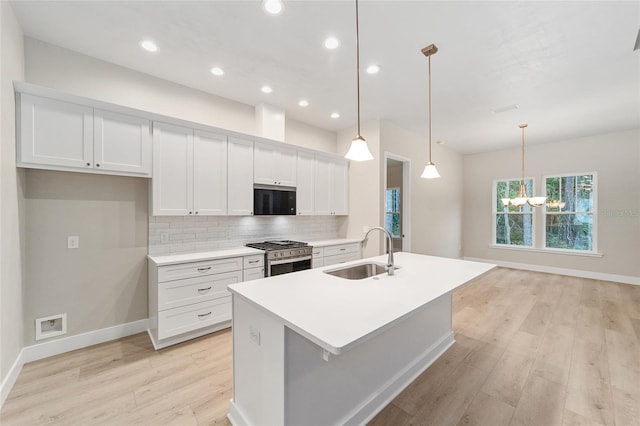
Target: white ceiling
<point>569,66</point>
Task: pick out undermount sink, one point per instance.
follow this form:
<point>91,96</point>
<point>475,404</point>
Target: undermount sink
<point>359,271</point>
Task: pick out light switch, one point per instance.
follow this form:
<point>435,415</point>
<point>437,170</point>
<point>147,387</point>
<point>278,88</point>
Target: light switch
<point>73,242</point>
<point>164,237</point>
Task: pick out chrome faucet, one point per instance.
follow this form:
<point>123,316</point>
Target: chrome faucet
<point>390,265</point>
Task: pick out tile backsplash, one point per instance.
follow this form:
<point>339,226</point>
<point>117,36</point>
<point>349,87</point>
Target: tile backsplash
<point>188,234</point>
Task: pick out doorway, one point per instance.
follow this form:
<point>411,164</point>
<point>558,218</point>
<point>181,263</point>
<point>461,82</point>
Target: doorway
<point>397,199</point>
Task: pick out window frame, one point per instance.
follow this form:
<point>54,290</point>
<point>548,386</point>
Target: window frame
<point>594,215</point>
<point>494,213</point>
<point>399,212</point>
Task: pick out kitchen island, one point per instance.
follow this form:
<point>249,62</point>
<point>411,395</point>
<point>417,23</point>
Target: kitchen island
<point>310,348</point>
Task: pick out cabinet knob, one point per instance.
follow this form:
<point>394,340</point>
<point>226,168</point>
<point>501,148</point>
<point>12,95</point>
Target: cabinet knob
<point>98,165</point>
<point>196,212</point>
<point>88,164</point>
<point>190,213</point>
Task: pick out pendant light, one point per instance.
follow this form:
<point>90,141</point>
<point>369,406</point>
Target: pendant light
<point>522,197</point>
<point>359,151</point>
<point>430,171</point>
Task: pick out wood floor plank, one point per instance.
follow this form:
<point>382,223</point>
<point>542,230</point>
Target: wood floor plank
<point>542,403</point>
<point>574,419</point>
<point>507,380</point>
<point>487,410</point>
<point>623,355</point>
<point>589,387</point>
<point>553,360</point>
<point>392,415</point>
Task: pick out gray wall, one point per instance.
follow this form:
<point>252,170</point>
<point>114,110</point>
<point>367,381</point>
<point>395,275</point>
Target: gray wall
<point>11,199</point>
<point>616,159</point>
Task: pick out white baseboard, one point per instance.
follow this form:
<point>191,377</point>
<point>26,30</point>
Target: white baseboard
<point>625,279</point>
<point>10,378</point>
<point>67,344</point>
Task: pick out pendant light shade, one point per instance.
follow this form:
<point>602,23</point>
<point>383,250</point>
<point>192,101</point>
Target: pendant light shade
<point>522,197</point>
<point>359,151</point>
<point>430,171</point>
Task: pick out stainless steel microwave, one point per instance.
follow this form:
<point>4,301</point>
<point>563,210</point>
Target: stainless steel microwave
<point>270,200</point>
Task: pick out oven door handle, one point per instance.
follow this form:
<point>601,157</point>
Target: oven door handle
<point>289,260</point>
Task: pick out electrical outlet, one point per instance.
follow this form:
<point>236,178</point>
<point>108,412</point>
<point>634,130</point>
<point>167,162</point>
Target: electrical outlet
<point>254,335</point>
<point>164,237</point>
<point>73,242</point>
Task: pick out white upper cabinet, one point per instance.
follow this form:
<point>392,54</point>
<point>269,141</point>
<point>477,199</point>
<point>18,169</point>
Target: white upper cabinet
<point>240,175</point>
<point>190,172</point>
<point>172,184</point>
<point>121,142</point>
<point>331,186</point>
<point>54,133</point>
<point>209,173</point>
<point>61,135</point>
<point>274,165</point>
<point>304,192</point>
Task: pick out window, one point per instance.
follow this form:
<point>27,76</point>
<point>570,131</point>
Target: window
<point>569,213</point>
<point>392,216</point>
<point>513,226</point>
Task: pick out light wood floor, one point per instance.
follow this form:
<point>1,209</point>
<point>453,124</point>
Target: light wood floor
<point>531,349</point>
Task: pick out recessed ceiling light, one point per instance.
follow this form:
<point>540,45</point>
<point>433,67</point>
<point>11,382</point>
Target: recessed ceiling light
<point>303,103</point>
<point>331,43</point>
<point>373,69</point>
<point>266,89</point>
<point>217,71</point>
<point>273,7</point>
<point>335,115</point>
<point>149,46</point>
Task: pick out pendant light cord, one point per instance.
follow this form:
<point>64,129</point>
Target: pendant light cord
<point>358,65</point>
<point>429,108</point>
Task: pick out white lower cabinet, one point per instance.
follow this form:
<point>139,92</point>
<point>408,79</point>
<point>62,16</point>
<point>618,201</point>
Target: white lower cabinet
<point>334,254</point>
<point>190,299</point>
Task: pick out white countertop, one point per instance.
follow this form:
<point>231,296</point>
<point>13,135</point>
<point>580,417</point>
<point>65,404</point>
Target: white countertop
<point>325,243</point>
<point>205,255</point>
<point>337,313</point>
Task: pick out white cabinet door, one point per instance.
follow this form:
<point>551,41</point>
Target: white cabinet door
<point>55,133</point>
<point>322,199</point>
<point>240,177</point>
<point>172,184</point>
<point>122,143</point>
<point>274,165</point>
<point>340,187</point>
<point>304,192</point>
<point>209,173</point>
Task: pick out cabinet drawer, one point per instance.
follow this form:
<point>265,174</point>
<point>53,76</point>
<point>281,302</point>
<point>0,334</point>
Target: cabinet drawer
<point>341,258</point>
<point>253,261</point>
<point>318,252</point>
<point>192,317</point>
<point>198,269</point>
<point>253,274</point>
<point>342,249</point>
<point>173,294</point>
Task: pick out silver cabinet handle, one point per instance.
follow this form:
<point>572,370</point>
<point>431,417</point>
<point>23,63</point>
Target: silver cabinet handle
<point>254,261</point>
<point>204,315</point>
<point>204,269</point>
<point>205,289</point>
<point>342,249</point>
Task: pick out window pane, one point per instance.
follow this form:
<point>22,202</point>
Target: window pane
<point>584,193</point>
<point>514,229</point>
<point>569,231</point>
<point>392,224</point>
<point>393,200</point>
<point>510,189</point>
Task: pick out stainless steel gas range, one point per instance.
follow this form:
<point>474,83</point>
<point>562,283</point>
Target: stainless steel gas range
<point>282,257</point>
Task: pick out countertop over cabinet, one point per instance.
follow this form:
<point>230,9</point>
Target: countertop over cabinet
<point>325,243</point>
<point>338,314</point>
<point>206,255</point>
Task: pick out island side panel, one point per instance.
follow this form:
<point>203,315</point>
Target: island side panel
<point>258,367</point>
<point>352,387</point>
